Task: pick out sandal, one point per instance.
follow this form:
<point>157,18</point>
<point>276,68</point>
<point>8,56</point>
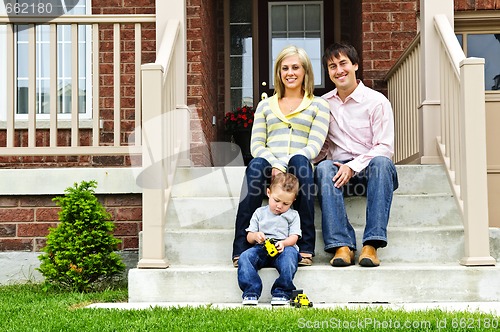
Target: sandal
<point>306,261</point>
<point>235,261</point>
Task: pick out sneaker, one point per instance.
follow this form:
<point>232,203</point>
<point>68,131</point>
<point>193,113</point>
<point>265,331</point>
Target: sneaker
<point>279,300</point>
<point>250,300</point>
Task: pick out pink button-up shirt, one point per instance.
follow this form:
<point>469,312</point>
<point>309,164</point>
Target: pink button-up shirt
<point>361,128</point>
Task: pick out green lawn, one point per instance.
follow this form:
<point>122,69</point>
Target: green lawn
<point>28,308</point>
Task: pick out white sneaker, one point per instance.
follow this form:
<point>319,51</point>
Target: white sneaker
<point>250,300</point>
<point>278,300</point>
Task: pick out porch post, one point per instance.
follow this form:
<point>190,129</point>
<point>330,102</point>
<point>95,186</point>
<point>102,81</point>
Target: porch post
<point>430,108</point>
<point>176,9</point>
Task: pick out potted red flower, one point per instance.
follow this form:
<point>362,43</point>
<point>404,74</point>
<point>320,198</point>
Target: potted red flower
<point>238,124</point>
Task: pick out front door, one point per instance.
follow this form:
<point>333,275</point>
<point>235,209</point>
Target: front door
<point>259,29</point>
<point>306,24</point>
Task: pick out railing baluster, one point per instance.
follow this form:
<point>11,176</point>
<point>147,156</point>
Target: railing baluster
<point>96,119</point>
<point>75,134</point>
<point>10,85</point>
<point>31,86</point>
<point>53,85</point>
<point>138,102</point>
<point>117,84</point>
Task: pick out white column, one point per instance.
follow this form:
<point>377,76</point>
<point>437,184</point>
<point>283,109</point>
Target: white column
<point>430,109</point>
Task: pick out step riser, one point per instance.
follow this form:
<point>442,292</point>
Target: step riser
<point>410,246</point>
<point>226,182</point>
<point>330,285</point>
<point>219,213</point>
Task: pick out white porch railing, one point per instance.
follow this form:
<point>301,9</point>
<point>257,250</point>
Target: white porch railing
<point>55,124</point>
<point>462,143</point>
<point>163,132</point>
<point>462,138</point>
<point>404,93</point>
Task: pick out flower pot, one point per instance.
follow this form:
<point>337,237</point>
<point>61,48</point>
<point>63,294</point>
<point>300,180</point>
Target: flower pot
<point>242,139</point>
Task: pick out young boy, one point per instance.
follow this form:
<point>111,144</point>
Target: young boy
<point>277,221</point>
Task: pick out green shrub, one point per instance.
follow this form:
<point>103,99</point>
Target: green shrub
<point>79,254</point>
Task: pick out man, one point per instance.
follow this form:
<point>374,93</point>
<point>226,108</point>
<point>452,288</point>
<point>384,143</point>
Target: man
<point>358,149</point>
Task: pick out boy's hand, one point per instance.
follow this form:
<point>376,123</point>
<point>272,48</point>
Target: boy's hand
<point>280,246</point>
<point>260,237</point>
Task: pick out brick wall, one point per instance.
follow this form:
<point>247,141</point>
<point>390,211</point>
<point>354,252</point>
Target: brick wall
<point>477,4</point>
<point>25,220</point>
<point>388,27</point>
<point>204,31</point>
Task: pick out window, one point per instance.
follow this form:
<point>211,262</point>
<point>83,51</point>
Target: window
<point>42,56</point>
<point>241,55</point>
<point>300,24</point>
<point>479,36</point>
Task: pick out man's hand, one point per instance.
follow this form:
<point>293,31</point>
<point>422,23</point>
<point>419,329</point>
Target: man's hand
<point>343,175</point>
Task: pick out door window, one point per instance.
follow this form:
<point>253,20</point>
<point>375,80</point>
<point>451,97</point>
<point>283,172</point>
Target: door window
<point>300,24</point>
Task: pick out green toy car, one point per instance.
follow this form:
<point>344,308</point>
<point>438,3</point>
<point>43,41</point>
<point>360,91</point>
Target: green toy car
<point>270,246</point>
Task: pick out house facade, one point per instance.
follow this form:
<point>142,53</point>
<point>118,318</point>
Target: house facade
<point>229,48</point>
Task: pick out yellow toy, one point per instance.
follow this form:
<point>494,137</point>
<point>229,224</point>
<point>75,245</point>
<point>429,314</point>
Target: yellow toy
<point>271,247</point>
<point>299,300</point>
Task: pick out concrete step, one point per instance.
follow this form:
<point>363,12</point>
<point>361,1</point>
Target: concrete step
<point>226,181</point>
<point>406,244</point>
<point>407,210</point>
<point>388,283</point>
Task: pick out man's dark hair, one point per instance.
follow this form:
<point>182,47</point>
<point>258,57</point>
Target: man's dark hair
<point>336,49</point>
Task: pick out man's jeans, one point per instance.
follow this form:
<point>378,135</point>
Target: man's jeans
<point>255,258</point>
<point>257,178</point>
<point>377,182</point>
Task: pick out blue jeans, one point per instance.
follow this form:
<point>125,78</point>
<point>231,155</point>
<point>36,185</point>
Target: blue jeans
<point>377,182</point>
<point>257,178</point>
<point>255,258</point>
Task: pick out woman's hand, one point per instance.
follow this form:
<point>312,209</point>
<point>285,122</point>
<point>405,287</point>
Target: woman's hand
<point>275,171</point>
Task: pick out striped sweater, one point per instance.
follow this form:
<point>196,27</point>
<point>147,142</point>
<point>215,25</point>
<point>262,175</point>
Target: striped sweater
<point>277,137</point>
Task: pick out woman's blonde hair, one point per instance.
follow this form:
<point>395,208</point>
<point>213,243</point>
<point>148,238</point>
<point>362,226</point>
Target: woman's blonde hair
<point>308,84</point>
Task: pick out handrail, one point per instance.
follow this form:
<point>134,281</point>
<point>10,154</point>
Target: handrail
<point>161,129</point>
<point>80,19</point>
<point>462,143</point>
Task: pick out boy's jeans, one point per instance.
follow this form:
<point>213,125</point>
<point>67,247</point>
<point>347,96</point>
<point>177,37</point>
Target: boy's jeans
<point>255,258</point>
<point>377,182</point>
<point>257,175</point>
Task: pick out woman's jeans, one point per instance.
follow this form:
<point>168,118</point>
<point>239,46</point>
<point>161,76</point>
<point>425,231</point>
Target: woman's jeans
<point>257,178</point>
<point>255,258</point>
<point>377,182</point>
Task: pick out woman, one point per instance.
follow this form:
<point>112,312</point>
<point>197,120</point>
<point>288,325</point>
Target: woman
<point>289,130</point>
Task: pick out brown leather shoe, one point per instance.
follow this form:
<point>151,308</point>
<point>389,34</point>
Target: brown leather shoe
<point>368,257</point>
<point>344,256</point>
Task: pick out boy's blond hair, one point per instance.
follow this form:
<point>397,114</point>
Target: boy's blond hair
<point>287,182</point>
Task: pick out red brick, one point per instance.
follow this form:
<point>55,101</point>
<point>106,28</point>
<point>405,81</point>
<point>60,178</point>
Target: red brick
<point>7,230</point>
<point>7,201</point>
<point>130,243</point>
<point>16,244</point>
<point>34,229</point>
<point>129,214</point>
<point>126,229</point>
<point>47,214</point>
<point>17,215</point>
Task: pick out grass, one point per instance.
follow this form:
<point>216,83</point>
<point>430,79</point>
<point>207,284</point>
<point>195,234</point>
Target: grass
<point>30,308</point>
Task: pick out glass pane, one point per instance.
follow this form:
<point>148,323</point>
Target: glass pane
<point>239,33</point>
<point>240,11</point>
<point>487,46</point>
<point>312,12</point>
<point>43,96</point>
<point>22,60</point>
<point>22,96</point>
<point>278,18</point>
<point>296,18</point>
<point>460,39</point>
<point>82,98</point>
<point>240,97</point>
